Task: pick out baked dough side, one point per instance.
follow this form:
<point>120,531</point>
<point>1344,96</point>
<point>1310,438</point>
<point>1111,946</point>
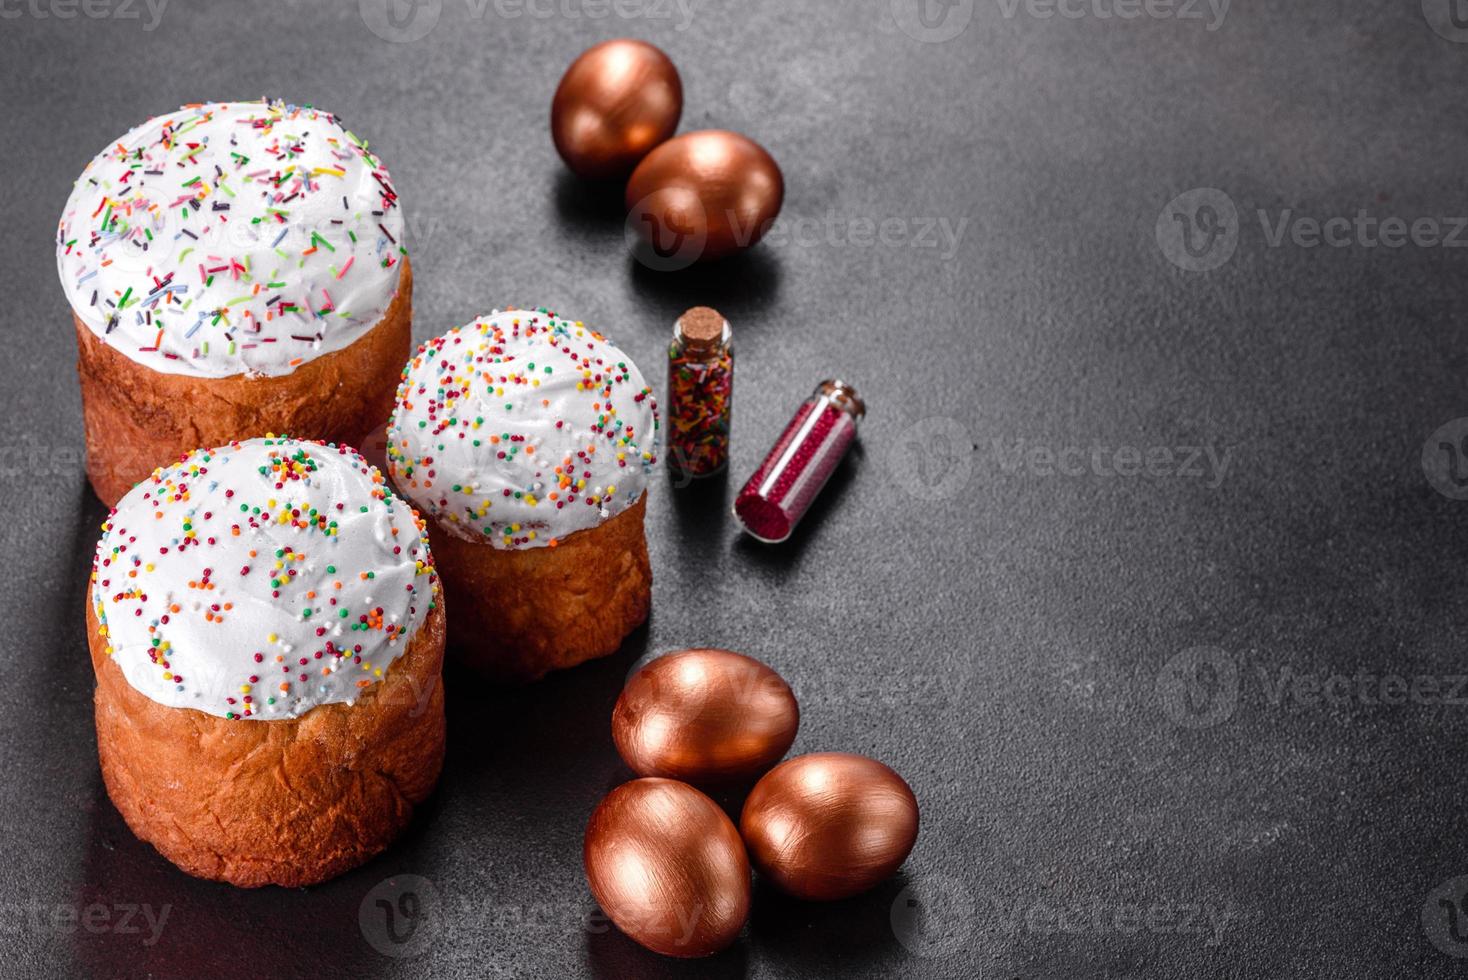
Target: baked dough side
<point>290,802</point>
<point>519,614</point>
<point>138,419</point>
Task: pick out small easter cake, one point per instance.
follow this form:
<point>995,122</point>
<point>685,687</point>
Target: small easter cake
<point>267,635</point>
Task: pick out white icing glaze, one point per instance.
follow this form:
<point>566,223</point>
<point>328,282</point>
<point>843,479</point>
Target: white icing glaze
<point>232,238</point>
<point>261,579</point>
<point>521,428</point>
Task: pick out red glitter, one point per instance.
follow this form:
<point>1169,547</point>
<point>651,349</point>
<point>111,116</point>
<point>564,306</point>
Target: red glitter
<point>784,486</point>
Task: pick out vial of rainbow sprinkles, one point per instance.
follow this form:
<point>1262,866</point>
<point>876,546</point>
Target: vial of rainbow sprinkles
<point>700,390</point>
<point>813,444</point>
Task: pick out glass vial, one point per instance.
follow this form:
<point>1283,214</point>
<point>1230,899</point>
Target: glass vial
<point>700,393</point>
<point>806,454</point>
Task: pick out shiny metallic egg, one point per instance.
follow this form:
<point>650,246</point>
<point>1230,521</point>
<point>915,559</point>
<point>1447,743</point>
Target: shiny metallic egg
<point>708,717</point>
<point>668,868</point>
<point>616,102</point>
<point>829,825</point>
<point>704,195</point>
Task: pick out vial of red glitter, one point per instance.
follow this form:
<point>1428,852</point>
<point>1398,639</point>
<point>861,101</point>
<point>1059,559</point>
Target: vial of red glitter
<point>700,393</point>
<point>806,454</point>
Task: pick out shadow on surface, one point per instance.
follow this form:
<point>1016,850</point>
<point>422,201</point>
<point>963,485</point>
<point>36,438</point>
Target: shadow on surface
<point>613,956</point>
<point>809,936</point>
<point>589,205</point>
<point>740,286</point>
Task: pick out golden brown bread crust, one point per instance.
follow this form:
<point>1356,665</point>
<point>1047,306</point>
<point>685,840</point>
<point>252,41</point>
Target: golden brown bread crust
<point>520,614</point>
<point>290,802</point>
<point>138,419</point>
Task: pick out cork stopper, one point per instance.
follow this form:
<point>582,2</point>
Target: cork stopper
<point>702,329</point>
<point>844,397</point>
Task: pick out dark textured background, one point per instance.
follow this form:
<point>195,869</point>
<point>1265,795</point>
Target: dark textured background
<point>1000,642</point>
